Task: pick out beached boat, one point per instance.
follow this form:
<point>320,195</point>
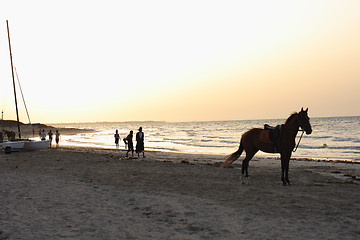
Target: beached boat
<point>20,144</point>
<point>33,145</point>
<point>12,146</point>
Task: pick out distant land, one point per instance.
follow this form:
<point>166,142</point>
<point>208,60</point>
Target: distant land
<point>109,122</point>
<point>13,123</point>
<point>33,129</point>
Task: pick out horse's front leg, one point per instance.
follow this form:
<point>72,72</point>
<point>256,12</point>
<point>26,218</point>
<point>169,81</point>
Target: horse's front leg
<point>282,175</point>
<point>285,159</point>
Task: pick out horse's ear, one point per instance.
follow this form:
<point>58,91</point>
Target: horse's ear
<point>302,109</point>
<point>306,109</point>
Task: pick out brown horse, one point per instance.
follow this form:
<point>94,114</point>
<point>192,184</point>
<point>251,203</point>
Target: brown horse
<point>10,135</point>
<point>258,139</point>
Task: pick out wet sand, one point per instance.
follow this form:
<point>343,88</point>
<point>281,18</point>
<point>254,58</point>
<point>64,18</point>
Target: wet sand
<point>86,193</point>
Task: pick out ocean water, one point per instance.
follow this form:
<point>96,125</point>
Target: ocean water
<point>334,138</point>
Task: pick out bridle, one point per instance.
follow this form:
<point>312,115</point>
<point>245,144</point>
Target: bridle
<point>299,140</point>
<point>302,130</point>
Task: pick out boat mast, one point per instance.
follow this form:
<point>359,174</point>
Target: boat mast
<point>12,71</point>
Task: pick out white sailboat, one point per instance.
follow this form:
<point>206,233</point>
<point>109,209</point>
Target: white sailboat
<point>24,145</point>
<point>32,145</point>
<point>20,144</point>
<point>12,146</point>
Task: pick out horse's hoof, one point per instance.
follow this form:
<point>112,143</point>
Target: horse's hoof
<point>284,184</point>
<point>226,166</point>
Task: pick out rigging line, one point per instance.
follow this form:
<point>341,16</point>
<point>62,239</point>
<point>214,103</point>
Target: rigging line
<point>22,95</point>
<point>13,80</point>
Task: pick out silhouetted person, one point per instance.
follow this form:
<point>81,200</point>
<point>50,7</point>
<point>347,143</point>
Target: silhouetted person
<point>43,135</point>
<point>117,137</point>
<point>140,142</point>
<point>129,141</point>
<point>57,138</point>
<point>50,137</point>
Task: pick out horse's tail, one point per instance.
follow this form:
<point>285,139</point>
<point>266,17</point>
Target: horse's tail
<point>231,158</point>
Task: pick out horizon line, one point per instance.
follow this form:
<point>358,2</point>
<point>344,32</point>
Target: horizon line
<point>163,121</point>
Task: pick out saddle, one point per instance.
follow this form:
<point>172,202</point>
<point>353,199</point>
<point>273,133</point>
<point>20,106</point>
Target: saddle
<point>274,132</point>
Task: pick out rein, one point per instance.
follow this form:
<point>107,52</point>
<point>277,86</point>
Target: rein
<point>299,140</point>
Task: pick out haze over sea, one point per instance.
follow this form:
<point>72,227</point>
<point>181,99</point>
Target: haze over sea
<point>333,138</point>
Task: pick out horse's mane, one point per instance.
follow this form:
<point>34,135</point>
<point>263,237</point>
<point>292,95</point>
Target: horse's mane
<point>291,117</point>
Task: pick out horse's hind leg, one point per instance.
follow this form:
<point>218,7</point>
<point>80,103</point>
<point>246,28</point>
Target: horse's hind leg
<point>244,169</point>
<point>245,166</point>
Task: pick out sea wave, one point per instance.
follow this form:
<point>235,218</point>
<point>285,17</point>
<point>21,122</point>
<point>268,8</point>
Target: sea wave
<point>176,140</point>
<point>356,148</point>
<point>321,137</point>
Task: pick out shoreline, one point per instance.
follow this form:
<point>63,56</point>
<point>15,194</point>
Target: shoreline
<point>87,193</point>
<point>265,156</point>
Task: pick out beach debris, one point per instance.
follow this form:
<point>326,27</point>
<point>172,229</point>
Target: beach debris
<point>4,235</point>
<point>350,176</point>
<point>325,145</point>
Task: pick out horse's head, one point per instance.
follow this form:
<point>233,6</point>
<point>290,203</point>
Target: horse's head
<point>304,121</point>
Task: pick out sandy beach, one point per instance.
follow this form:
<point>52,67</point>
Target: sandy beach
<point>87,193</point>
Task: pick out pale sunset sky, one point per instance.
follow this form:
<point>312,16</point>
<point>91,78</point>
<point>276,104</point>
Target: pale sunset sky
<point>88,61</point>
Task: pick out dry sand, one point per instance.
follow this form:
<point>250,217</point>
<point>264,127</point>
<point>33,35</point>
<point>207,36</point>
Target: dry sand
<point>82,193</point>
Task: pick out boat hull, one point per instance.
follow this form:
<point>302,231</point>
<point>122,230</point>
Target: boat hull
<point>12,146</point>
<point>36,145</point>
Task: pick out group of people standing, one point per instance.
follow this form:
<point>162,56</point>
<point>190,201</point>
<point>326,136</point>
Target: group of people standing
<point>43,134</point>
<point>129,142</point>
